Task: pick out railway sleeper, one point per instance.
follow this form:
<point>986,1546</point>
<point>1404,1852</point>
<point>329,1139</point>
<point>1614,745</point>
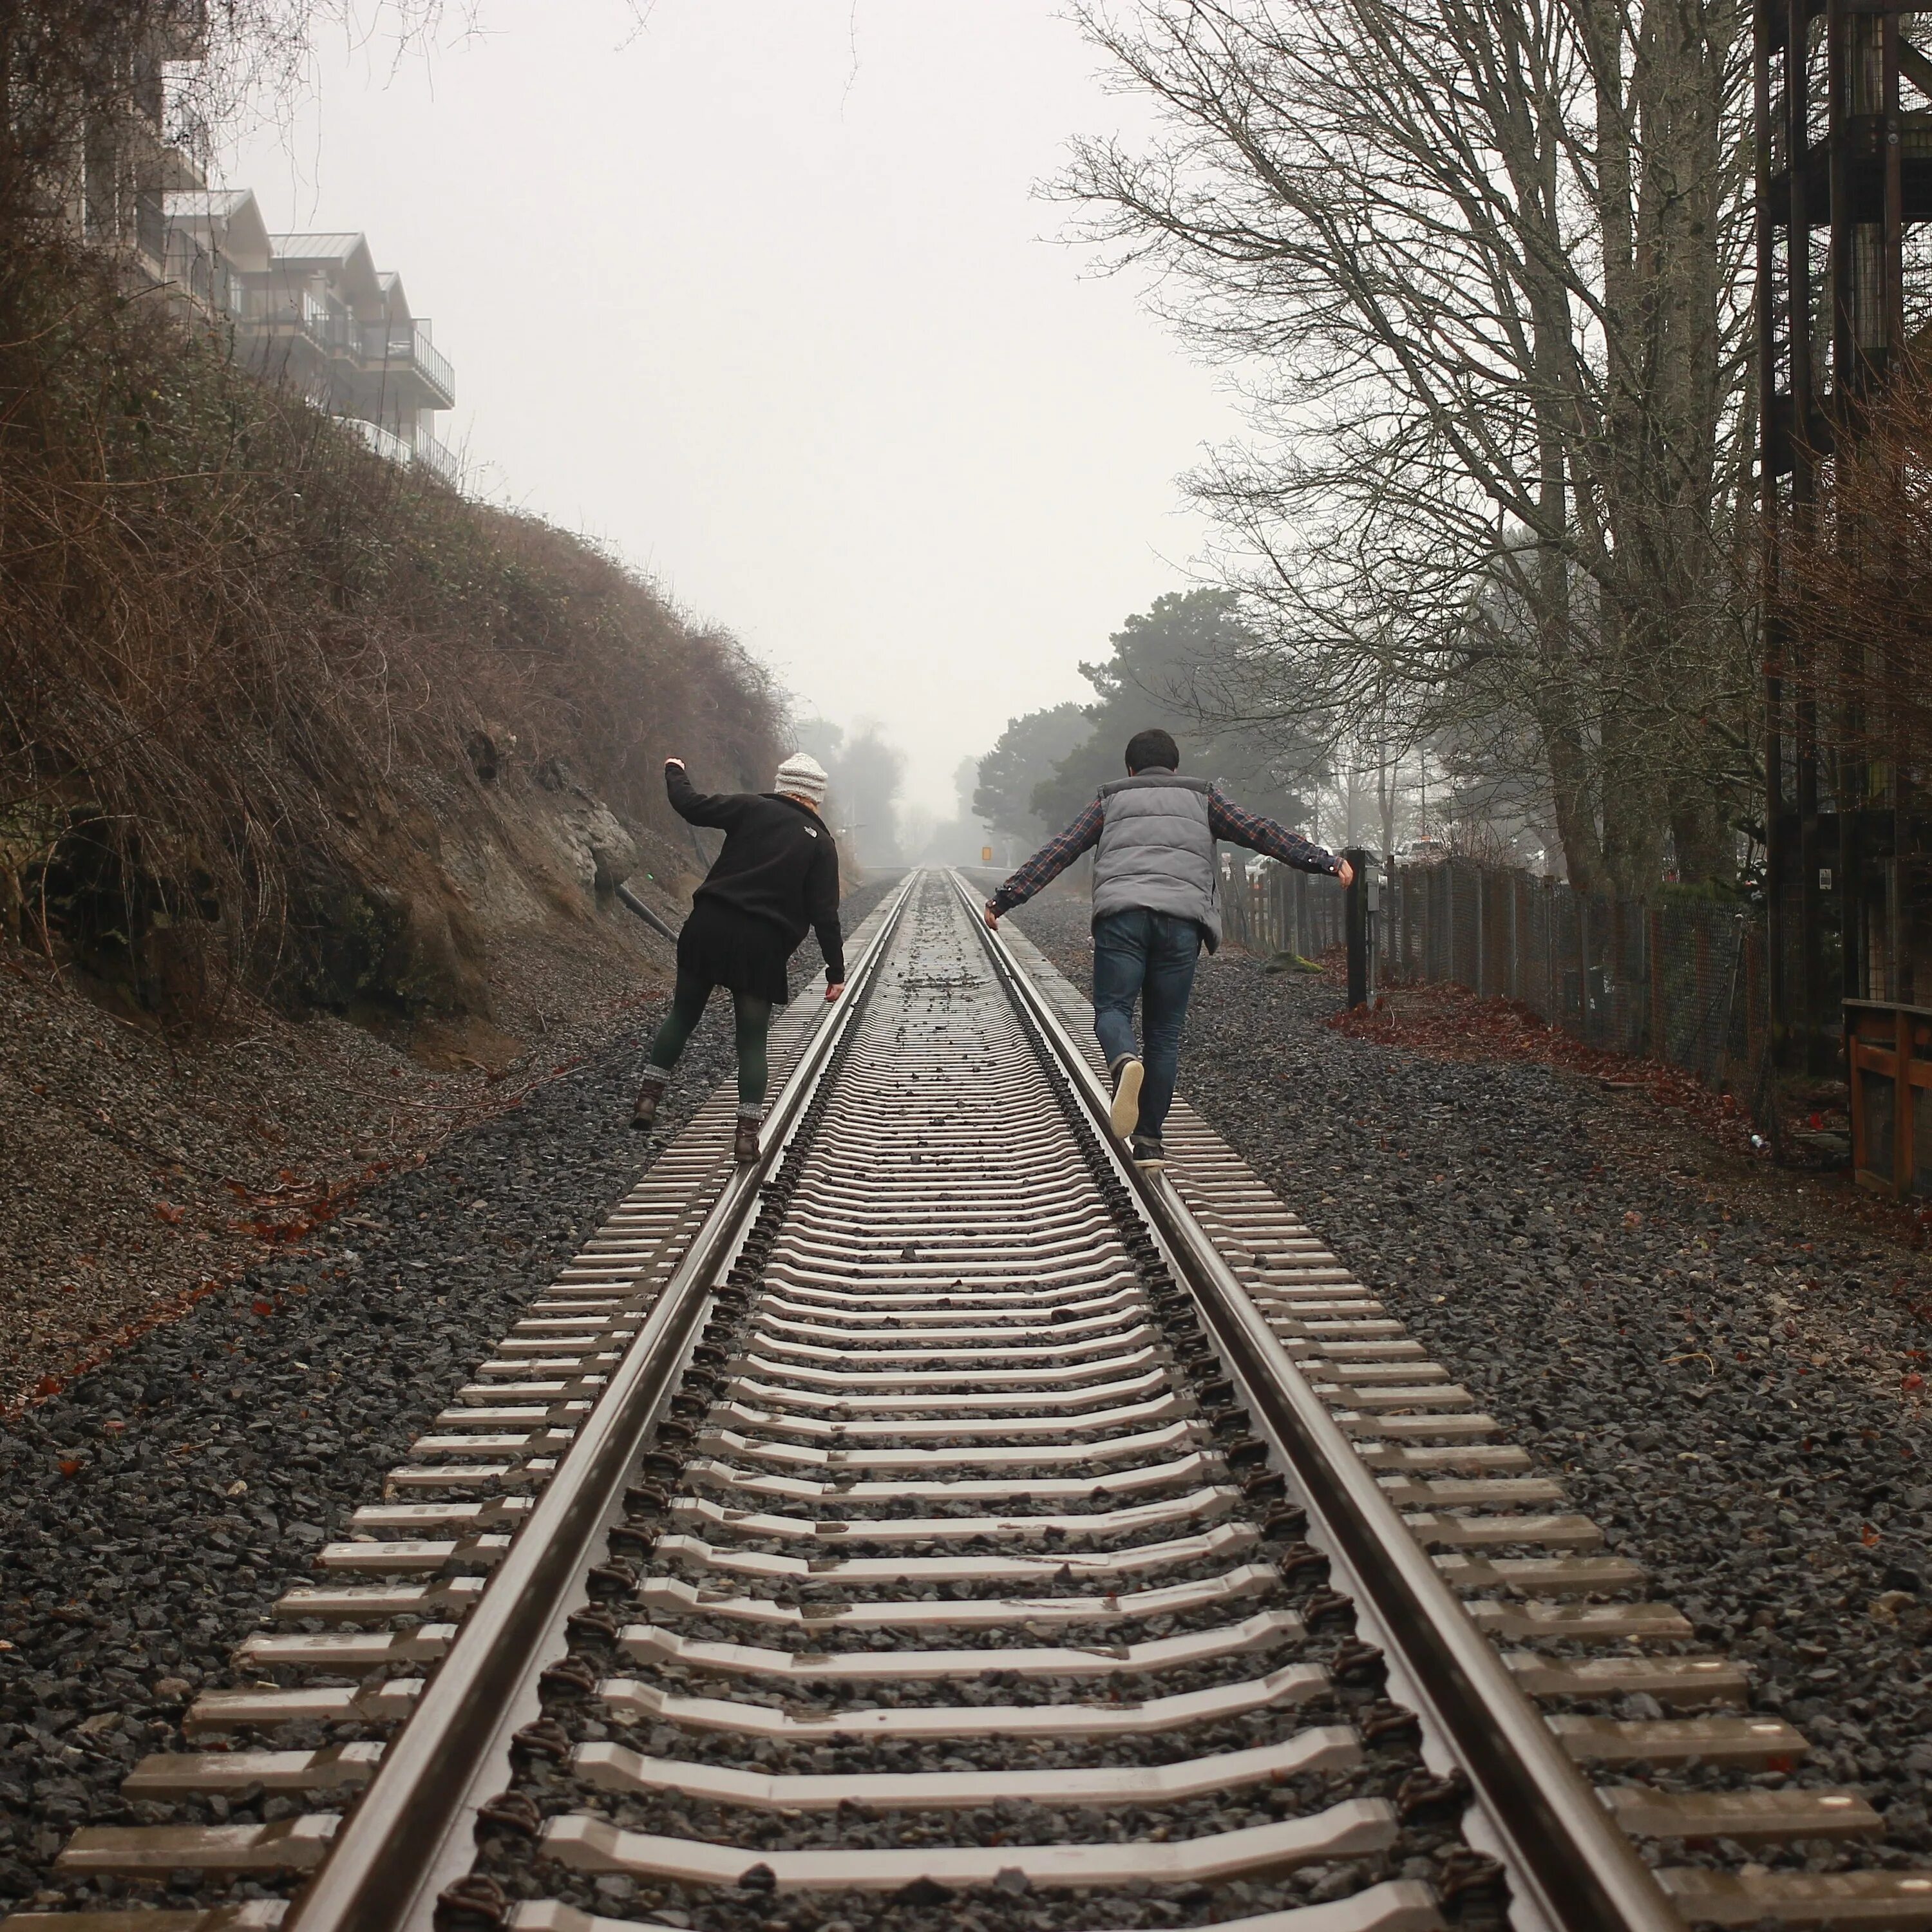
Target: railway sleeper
<point>651,1643</point>
<point>140,1851</point>
<point>611,1767</point>
<point>1354,1827</point>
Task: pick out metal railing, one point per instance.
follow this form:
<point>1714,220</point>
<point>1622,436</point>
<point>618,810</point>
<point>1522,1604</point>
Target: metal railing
<point>411,348</point>
<point>151,227</point>
<point>435,454</point>
<point>431,362</point>
<point>1559,1843</point>
<point>384,1865</point>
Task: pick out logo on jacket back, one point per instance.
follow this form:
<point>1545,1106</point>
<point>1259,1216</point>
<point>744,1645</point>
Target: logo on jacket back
<point>810,831</point>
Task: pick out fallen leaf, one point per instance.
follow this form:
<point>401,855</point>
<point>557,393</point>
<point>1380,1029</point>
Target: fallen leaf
<point>166,1210</point>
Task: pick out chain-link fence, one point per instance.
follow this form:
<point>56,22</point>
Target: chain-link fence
<point>1681,981</point>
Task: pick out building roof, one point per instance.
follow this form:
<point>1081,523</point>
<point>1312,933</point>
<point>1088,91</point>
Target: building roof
<point>316,247</point>
<point>189,204</point>
<point>229,219</point>
<point>390,283</point>
<point>348,254</point>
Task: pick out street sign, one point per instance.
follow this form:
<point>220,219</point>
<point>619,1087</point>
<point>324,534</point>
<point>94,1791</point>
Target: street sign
<point>986,855</point>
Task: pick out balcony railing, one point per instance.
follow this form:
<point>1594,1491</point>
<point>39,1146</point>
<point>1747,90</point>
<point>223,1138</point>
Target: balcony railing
<point>409,347</point>
<point>433,363</point>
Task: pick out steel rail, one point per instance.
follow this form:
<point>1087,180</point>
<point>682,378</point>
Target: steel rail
<point>1564,1856</point>
<point>394,1851</point>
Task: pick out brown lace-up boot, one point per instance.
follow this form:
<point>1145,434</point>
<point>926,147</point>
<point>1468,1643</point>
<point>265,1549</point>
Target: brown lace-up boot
<point>645,1113</point>
<point>745,1148</point>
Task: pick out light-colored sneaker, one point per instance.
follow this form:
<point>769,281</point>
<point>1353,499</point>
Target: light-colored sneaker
<point>1128,1075</point>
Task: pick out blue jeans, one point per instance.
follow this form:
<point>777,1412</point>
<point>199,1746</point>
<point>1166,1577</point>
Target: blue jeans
<point>1149,956</point>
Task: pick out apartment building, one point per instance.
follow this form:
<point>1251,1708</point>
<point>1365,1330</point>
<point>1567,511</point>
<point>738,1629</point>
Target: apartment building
<point>311,311</point>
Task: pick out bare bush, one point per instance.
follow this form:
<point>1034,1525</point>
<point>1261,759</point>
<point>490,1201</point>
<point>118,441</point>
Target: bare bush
<point>234,642</point>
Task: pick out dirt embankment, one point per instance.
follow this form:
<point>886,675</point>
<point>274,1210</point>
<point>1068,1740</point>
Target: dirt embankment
<point>319,785</point>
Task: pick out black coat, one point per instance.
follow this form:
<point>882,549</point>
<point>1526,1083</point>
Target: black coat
<point>779,864</point>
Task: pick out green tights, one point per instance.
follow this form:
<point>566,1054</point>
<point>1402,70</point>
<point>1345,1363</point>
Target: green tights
<point>754,1018</point>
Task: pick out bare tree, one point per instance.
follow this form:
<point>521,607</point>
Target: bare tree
<point>109,101</point>
<point>1480,266</point>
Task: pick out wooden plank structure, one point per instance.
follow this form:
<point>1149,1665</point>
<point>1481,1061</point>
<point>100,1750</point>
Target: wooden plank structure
<point>1889,1050</point>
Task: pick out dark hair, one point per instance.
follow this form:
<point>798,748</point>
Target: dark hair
<point>1153,746</point>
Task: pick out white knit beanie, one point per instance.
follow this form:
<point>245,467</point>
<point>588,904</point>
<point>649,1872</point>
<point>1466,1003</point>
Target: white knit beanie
<point>804,777</point>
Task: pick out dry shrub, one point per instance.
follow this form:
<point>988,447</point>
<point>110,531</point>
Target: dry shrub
<point>1853,590</point>
<point>229,632</point>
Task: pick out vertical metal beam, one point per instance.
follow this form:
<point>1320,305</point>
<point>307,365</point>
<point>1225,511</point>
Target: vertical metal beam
<point>1356,915</point>
<point>1774,433</point>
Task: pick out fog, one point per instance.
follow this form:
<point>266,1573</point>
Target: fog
<point>760,295</point>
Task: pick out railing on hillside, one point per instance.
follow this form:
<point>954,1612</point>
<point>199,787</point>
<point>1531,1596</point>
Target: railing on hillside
<point>150,226</point>
<point>199,272</point>
<point>383,441</point>
<point>434,454</point>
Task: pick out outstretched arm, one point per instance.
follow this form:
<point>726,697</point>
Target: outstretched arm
<point>822,906</point>
<point>1228,821</point>
<point>722,809</point>
<point>1047,864</point>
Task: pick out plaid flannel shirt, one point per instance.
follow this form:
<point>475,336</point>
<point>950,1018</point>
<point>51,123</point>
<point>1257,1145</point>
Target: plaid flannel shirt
<point>1225,820</point>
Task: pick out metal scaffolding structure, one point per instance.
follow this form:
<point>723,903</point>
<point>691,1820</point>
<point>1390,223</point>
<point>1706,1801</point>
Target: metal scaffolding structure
<point>1844,173</point>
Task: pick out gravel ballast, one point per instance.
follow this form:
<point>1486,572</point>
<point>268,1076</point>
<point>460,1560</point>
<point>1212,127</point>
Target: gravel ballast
<point>1730,1396</point>
<point>155,1507</point>
<point>1727,1382</point>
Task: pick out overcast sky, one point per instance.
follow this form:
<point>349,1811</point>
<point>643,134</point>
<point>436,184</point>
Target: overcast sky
<point>760,294</point>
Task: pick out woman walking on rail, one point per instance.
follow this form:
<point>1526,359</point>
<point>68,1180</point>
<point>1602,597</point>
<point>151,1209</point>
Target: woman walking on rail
<point>777,875</point>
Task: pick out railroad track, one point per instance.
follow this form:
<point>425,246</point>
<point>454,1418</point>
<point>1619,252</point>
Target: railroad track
<point>945,1522</point>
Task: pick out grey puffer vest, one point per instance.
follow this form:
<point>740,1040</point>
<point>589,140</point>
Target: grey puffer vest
<point>1156,850</point>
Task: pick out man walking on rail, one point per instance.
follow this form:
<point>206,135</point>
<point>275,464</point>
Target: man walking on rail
<point>778,874</point>
<point>1157,897</point>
